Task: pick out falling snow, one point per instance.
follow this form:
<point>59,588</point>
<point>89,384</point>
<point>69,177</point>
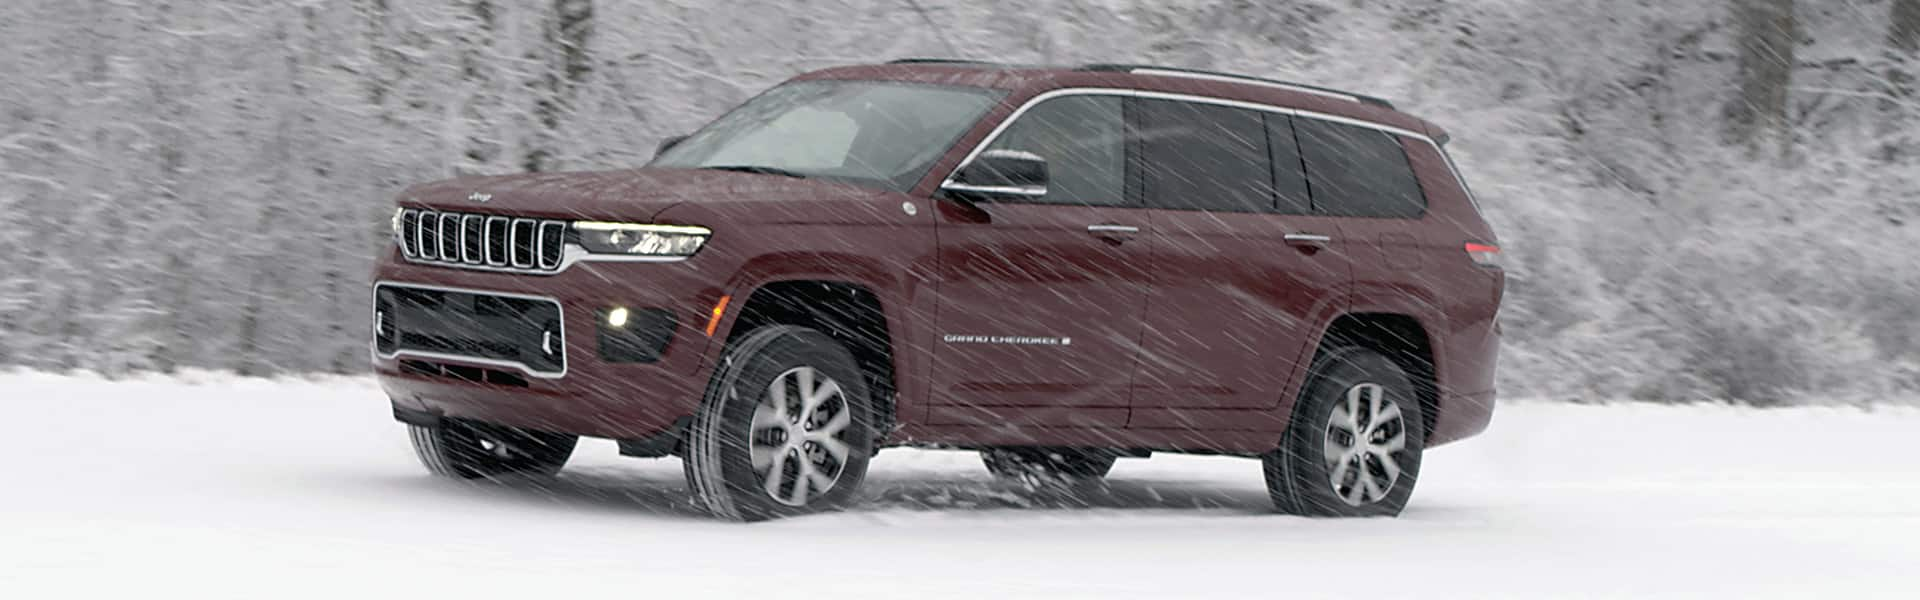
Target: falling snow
<point>244,155</point>
<point>1709,375</point>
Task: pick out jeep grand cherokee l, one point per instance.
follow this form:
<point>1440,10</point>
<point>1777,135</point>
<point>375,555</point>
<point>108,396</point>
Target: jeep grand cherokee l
<point>1055,266</point>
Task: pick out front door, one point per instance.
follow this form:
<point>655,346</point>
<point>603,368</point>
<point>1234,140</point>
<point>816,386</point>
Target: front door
<point>1040,300</point>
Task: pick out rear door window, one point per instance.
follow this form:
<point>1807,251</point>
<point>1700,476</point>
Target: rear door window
<point>1205,157</point>
<point>1358,172</point>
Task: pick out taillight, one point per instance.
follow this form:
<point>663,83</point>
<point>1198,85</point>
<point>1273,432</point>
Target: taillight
<point>1485,255</point>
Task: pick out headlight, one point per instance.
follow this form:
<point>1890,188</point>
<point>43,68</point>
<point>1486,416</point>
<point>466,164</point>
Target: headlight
<point>640,240</point>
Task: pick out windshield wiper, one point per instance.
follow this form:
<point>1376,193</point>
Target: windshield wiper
<point>758,170</point>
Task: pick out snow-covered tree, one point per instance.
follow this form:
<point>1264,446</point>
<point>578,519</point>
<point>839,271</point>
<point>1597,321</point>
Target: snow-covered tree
<point>1768,39</point>
<point>205,184</point>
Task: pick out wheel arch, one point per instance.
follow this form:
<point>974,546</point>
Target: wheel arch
<point>1403,338</point>
<point>851,306</point>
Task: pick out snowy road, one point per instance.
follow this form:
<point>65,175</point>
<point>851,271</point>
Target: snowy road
<point>269,490</point>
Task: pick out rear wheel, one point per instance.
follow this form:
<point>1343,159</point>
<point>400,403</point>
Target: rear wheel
<point>785,428</point>
<point>1048,466</point>
<point>1355,443</point>
<point>465,450</point>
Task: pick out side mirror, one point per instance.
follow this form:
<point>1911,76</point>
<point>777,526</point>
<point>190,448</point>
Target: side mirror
<point>1001,174</point>
<point>668,144</point>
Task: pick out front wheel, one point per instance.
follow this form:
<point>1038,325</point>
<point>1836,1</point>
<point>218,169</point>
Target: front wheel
<point>785,428</point>
<point>464,450</point>
<point>1354,446</point>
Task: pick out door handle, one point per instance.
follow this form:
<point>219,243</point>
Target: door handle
<point>1114,234</point>
<point>1312,240</point>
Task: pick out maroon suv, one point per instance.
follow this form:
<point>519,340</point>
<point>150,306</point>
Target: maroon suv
<point>1055,266</point>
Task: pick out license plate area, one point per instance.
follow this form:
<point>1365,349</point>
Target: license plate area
<point>526,333</point>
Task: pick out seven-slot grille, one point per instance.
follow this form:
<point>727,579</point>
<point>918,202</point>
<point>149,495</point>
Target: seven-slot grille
<point>477,241</point>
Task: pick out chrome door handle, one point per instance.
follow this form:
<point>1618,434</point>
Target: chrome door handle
<point>1308,239</point>
<point>1112,233</point>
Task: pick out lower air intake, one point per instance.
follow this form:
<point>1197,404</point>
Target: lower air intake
<point>519,332</point>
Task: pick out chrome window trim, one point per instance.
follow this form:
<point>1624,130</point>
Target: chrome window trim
<point>1254,106</point>
<point>565,364</point>
<point>1471,199</point>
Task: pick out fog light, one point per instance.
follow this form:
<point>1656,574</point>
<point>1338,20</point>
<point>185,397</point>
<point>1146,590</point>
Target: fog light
<point>634,336</point>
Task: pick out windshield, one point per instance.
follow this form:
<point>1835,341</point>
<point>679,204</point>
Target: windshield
<point>882,134</point>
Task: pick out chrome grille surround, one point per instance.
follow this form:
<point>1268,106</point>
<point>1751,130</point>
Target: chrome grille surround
<point>515,244</point>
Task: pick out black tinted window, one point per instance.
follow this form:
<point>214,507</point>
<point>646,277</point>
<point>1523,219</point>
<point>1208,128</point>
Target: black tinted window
<point>1083,139</point>
<point>1289,174</point>
<point>1205,157</point>
<point>1358,172</point>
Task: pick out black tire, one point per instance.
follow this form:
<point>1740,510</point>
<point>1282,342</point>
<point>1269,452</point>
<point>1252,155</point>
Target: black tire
<point>1301,473</point>
<point>465,450</point>
<point>726,431</point>
<point>1048,466</point>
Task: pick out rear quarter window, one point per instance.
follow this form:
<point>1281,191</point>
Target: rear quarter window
<point>1355,171</point>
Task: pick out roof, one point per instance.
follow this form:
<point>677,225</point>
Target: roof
<point>1157,70</point>
<point>1028,81</point>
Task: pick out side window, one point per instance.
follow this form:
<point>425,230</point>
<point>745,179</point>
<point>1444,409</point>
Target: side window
<point>1205,157</point>
<point>1358,172</point>
<point>1289,173</point>
<point>1083,139</point>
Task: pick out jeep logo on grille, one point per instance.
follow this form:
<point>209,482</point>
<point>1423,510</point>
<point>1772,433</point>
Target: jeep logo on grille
<point>481,197</point>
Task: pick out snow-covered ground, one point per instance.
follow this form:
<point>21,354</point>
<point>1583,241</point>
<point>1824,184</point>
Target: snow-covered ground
<point>258,489</point>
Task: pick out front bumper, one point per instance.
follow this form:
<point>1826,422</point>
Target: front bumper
<point>593,396</point>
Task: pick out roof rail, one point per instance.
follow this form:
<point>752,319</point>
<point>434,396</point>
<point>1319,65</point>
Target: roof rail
<point>1217,76</point>
<point>938,61</point>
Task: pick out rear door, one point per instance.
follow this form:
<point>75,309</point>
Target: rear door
<point>1040,301</point>
<point>1243,269</point>
<point>1363,177</point>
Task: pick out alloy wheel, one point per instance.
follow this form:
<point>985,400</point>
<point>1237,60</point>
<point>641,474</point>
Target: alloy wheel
<point>1365,434</point>
<point>796,440</point>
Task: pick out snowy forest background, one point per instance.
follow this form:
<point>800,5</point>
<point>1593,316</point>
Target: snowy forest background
<point>1701,200</point>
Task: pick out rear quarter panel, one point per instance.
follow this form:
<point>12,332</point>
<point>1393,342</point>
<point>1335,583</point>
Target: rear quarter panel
<point>1420,268</point>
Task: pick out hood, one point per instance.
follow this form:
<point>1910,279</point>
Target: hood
<point>637,195</point>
